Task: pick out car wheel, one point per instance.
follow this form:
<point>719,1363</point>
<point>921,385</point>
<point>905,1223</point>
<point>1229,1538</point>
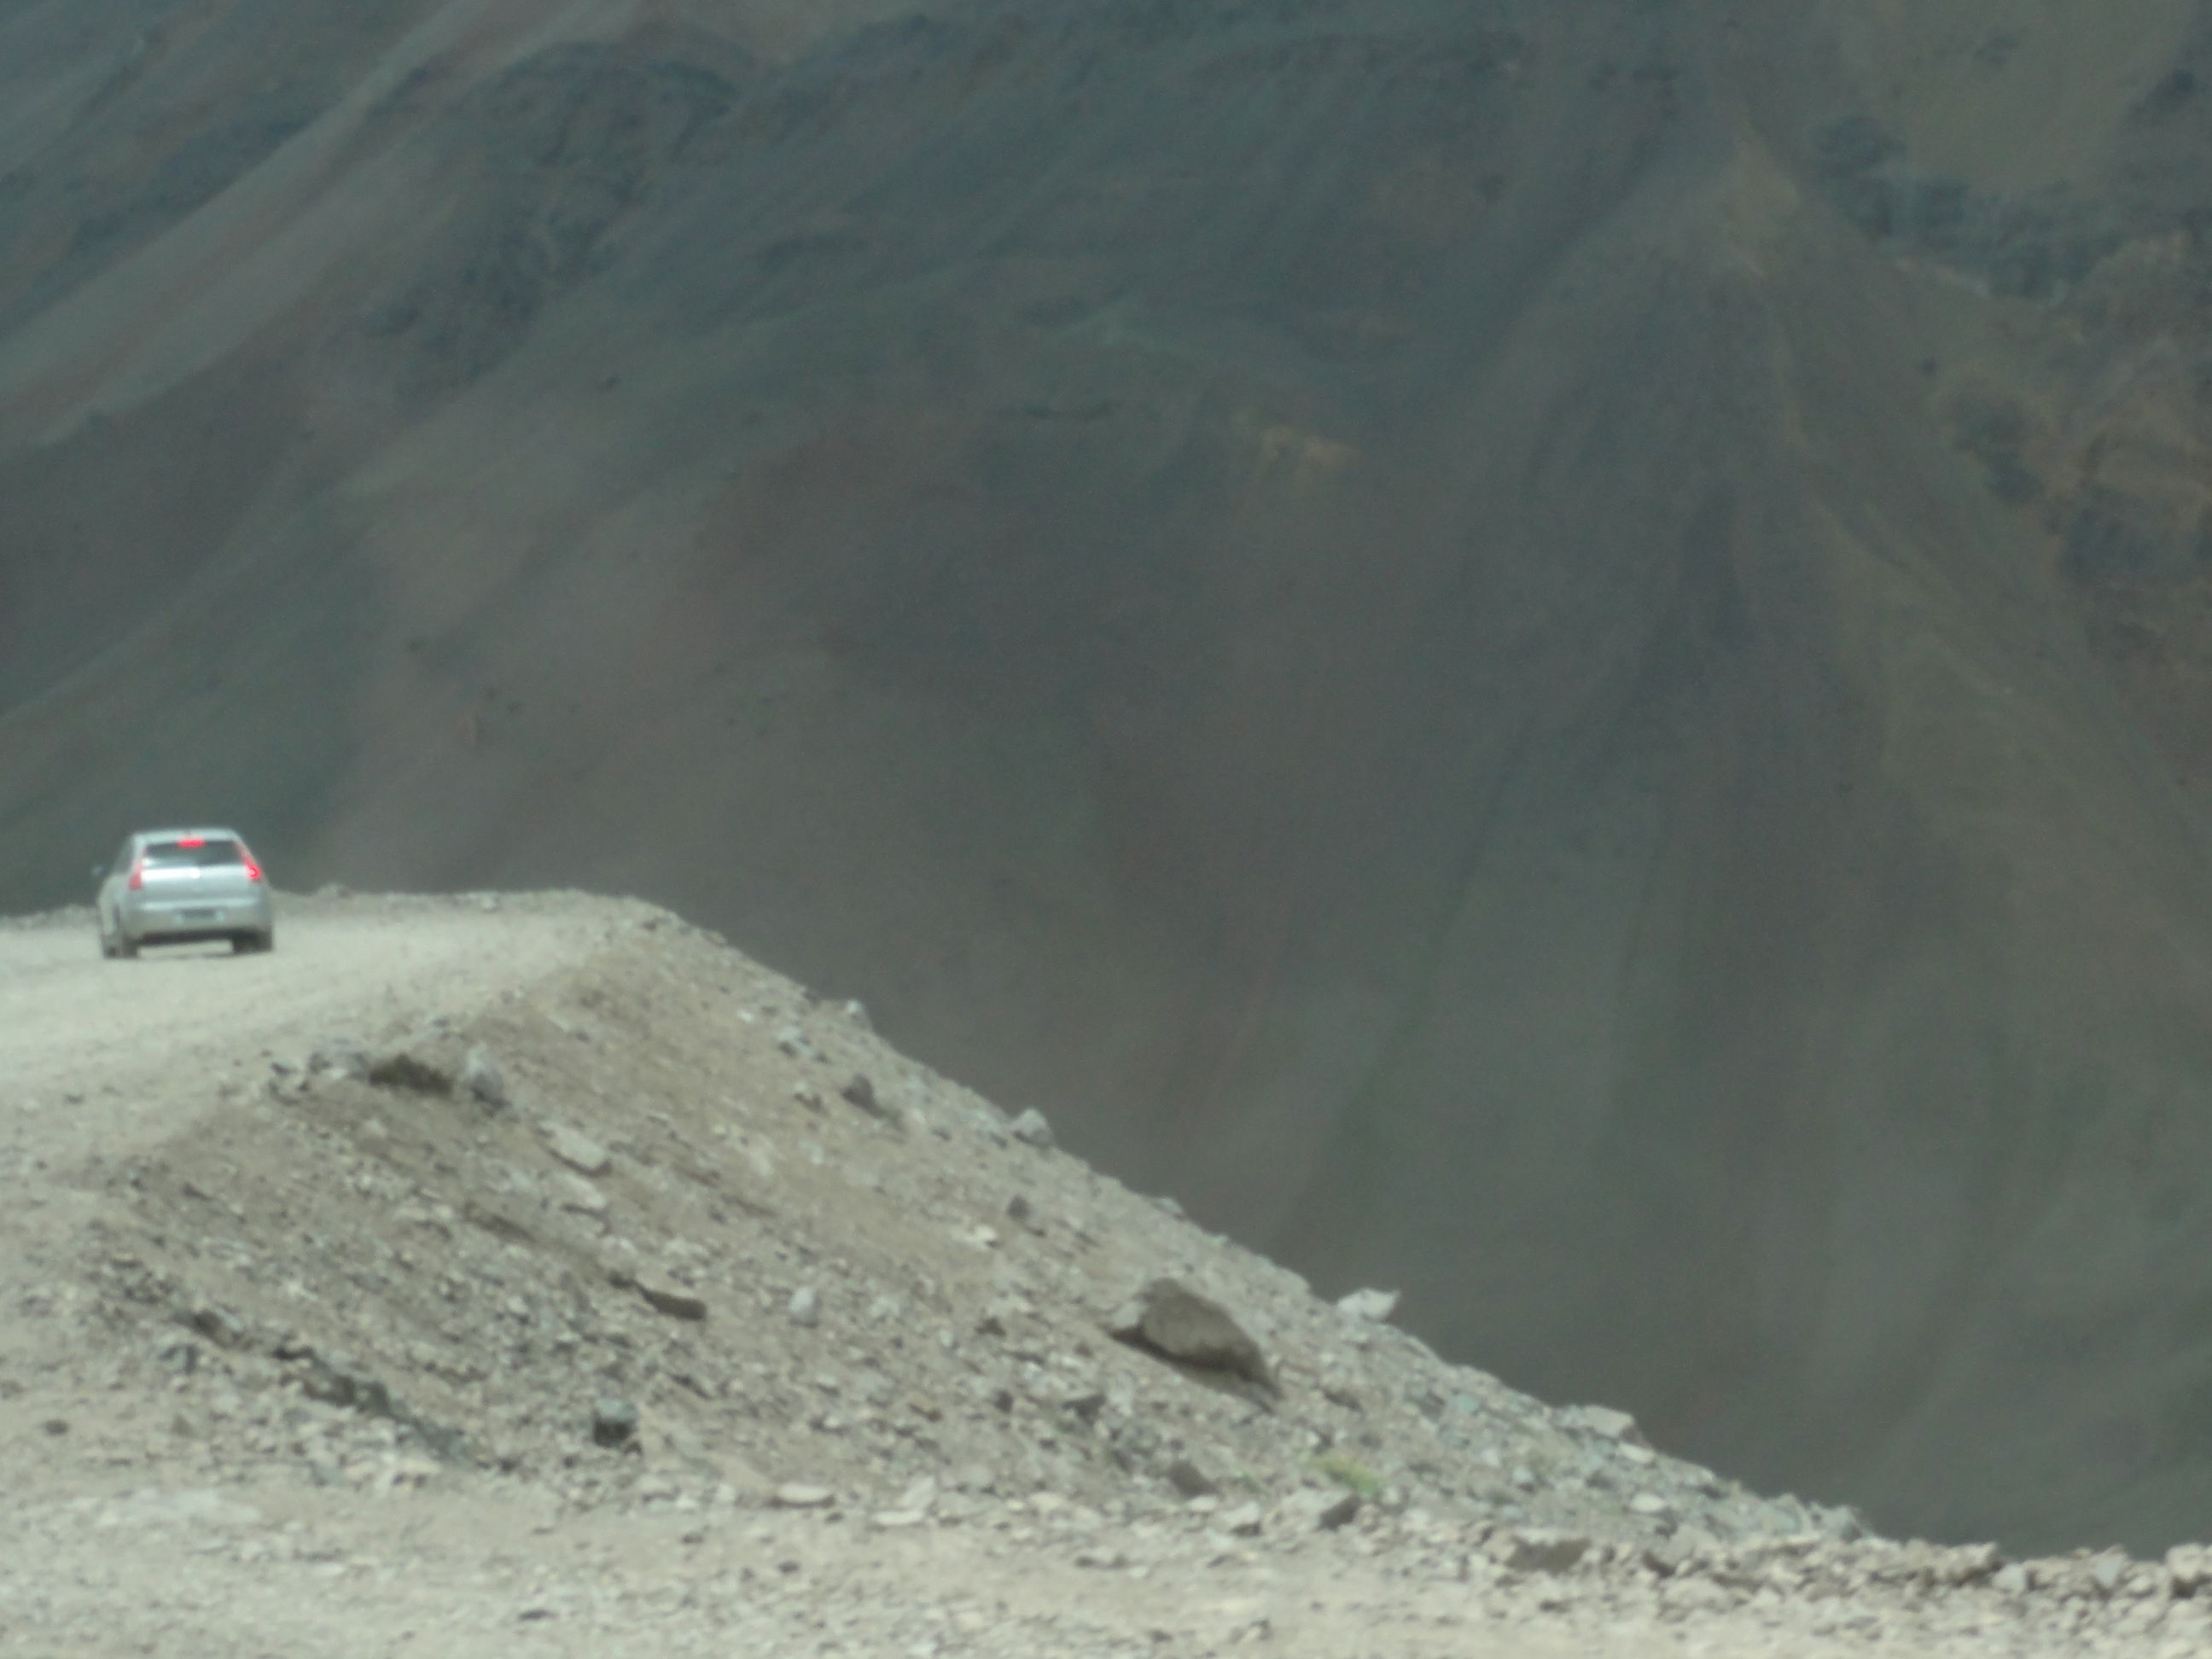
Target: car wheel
<point>126,948</point>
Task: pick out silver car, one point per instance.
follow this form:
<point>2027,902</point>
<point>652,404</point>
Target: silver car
<point>178,886</point>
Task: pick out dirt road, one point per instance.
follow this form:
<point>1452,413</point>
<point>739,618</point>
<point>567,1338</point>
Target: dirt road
<point>98,1056</point>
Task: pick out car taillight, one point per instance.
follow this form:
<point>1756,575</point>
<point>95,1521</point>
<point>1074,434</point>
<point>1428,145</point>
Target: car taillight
<point>252,870</point>
<point>137,874</point>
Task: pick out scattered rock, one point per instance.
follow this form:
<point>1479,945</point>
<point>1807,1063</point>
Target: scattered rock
<point>402,1068</point>
<point>1187,1477</point>
<point>857,1012</point>
<point>572,1192</point>
<point>1083,1403</point>
<point>1310,1510</point>
<point>1375,1307</point>
<point>677,1303</point>
<point>481,1077</point>
<point>1607,1423</point>
<point>335,1379</point>
<point>1538,1549</point>
<point>794,1042</point>
<point>180,1356</point>
<point>976,1478</point>
<point>797,1495</point>
<point>1170,1318</point>
<point>806,1306</point>
<point>862,1093</point>
<point>2188,1569</point>
<point>349,1060</point>
<point>1245,1520</point>
<point>1841,1522</point>
<point>1670,1556</point>
<point>1967,1564</point>
<point>219,1325</point>
<point>577,1150</point>
<point>614,1423</point>
<point>921,1496</point>
<point>1030,1129</point>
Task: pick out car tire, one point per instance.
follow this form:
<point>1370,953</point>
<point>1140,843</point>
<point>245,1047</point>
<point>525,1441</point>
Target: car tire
<point>253,944</point>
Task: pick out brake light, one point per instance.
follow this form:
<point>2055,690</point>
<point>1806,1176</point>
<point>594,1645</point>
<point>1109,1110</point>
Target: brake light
<point>192,841</point>
<point>138,872</point>
<point>252,870</point>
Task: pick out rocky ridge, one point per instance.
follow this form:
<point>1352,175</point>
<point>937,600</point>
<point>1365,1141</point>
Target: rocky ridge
<point>670,1238</point>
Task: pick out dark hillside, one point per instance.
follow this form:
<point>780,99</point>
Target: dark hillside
<point>1555,653</point>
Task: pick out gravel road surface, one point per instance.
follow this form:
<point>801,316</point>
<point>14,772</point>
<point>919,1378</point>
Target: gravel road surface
<point>98,1056</point>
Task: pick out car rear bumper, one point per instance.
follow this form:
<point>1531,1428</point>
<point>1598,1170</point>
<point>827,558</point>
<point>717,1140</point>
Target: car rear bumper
<point>181,921</point>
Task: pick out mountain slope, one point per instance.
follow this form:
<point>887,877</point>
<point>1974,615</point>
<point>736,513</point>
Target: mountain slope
<point>1549,654</point>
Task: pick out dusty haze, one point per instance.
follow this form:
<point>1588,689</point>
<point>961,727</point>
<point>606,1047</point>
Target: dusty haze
<point>1552,653</point>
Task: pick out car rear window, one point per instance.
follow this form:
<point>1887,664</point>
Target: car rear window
<point>215,849</point>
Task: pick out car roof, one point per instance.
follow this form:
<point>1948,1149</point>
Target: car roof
<point>206,833</point>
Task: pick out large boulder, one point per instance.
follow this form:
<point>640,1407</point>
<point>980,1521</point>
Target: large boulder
<point>1167,1317</point>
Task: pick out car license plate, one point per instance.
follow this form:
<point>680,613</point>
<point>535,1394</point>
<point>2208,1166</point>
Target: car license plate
<point>199,916</point>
